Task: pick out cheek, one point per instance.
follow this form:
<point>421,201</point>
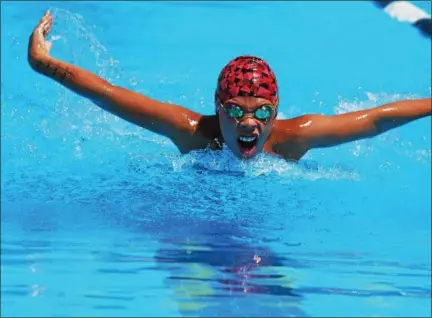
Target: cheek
<point>226,123</point>
<point>267,127</point>
<point>228,130</point>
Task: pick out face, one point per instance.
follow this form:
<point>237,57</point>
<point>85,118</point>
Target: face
<point>246,123</point>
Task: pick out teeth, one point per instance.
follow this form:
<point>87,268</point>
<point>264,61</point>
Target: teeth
<point>247,139</point>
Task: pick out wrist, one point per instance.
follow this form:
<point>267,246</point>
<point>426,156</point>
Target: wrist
<point>36,50</point>
<point>37,60</point>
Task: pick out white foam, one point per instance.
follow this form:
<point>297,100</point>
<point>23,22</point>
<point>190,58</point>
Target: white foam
<point>224,162</point>
<point>366,147</point>
<point>373,100</point>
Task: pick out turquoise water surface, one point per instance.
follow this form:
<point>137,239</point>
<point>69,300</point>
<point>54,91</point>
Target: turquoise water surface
<point>101,218</point>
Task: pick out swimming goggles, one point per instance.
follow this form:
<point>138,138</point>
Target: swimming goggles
<point>263,112</point>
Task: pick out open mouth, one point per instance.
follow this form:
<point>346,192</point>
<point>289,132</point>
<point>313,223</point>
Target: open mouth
<point>247,144</point>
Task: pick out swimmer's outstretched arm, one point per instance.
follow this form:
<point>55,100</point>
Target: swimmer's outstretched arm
<point>318,131</point>
<point>172,121</point>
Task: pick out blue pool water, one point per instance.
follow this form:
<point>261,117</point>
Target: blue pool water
<point>101,218</point>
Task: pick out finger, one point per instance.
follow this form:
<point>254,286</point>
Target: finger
<point>49,15</point>
<point>50,20</point>
<point>45,18</point>
<point>45,28</point>
<point>41,22</point>
<point>42,26</point>
<point>46,15</point>
<point>49,27</point>
<point>45,31</point>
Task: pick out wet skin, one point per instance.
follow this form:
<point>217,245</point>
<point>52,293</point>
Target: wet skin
<point>288,138</point>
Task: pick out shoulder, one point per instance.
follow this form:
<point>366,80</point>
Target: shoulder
<point>208,126</point>
<point>295,127</point>
<point>206,134</point>
<point>290,136</point>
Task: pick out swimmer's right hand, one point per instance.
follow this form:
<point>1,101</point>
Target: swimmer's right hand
<point>38,45</point>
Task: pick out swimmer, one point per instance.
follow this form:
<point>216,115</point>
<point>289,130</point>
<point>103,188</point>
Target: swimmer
<point>246,104</point>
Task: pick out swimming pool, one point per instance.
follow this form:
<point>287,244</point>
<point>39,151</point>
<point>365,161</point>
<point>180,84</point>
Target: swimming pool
<point>100,218</point>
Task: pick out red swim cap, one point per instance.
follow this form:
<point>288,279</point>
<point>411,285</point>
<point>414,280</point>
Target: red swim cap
<point>247,76</point>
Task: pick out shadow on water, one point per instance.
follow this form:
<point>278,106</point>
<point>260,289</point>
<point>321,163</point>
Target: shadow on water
<point>213,276</point>
<point>213,271</point>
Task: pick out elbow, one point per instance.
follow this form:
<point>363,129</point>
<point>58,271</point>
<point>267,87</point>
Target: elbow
<point>378,122</point>
<point>383,125</point>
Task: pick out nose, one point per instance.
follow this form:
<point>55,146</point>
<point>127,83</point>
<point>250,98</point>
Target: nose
<point>248,125</point>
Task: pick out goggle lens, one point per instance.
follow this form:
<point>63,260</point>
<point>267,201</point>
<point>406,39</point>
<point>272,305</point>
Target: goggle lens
<point>235,111</point>
<point>262,113</point>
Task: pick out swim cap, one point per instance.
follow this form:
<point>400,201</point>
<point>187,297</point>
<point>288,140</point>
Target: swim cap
<point>247,76</point>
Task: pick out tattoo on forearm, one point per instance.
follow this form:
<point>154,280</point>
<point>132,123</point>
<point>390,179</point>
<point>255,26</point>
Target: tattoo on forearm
<point>57,72</point>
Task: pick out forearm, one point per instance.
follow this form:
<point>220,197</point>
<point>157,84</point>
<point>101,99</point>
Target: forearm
<point>402,112</point>
<point>78,80</point>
